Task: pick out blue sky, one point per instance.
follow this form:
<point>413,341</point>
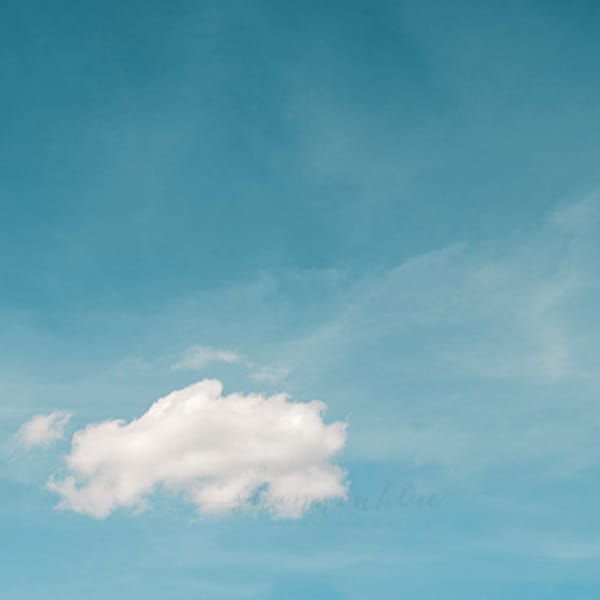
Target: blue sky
<point>390,207</point>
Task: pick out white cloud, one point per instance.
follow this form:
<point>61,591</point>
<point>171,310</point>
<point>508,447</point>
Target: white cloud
<point>43,430</point>
<point>197,357</point>
<point>578,217</point>
<point>270,374</point>
<point>572,550</point>
<point>221,452</point>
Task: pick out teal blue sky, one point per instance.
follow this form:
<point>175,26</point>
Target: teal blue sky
<point>392,207</point>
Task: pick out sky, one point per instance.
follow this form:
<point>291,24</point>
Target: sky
<point>299,300</point>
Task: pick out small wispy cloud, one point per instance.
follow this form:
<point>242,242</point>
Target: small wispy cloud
<point>43,430</point>
<point>269,374</point>
<point>197,357</point>
<point>578,217</point>
<point>573,550</point>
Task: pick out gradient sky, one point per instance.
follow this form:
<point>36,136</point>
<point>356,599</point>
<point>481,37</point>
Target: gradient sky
<point>392,207</point>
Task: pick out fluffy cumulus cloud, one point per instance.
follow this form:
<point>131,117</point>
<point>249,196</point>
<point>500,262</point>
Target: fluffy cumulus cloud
<point>43,430</point>
<point>220,452</point>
